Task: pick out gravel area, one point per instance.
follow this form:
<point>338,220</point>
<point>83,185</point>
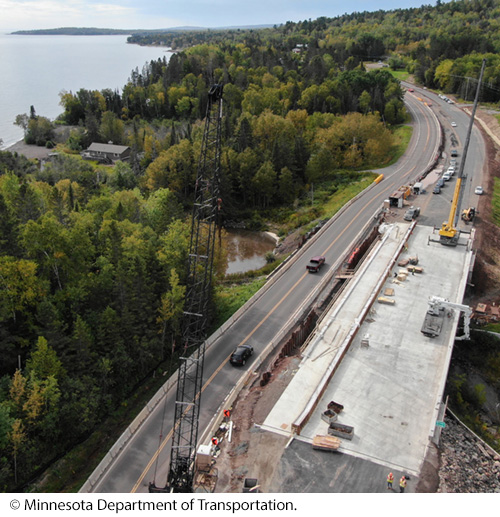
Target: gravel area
<point>30,151</point>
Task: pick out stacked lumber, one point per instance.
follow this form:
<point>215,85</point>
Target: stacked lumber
<point>325,443</point>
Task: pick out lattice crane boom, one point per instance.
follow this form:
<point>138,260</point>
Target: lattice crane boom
<point>196,309</point>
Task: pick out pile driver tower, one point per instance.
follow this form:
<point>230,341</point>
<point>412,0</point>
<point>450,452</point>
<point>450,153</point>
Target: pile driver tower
<point>204,222</point>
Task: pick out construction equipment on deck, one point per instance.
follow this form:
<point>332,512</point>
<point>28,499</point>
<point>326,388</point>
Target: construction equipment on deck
<point>195,316</point>
<point>433,321</point>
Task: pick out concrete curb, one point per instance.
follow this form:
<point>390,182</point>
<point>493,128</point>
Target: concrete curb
<point>451,343</point>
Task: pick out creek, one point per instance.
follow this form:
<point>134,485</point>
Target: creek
<point>246,250</point>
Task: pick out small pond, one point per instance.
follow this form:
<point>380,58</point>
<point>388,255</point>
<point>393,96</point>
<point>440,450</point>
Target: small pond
<point>246,250</point>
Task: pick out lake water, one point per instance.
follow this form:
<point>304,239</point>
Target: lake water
<point>35,69</point>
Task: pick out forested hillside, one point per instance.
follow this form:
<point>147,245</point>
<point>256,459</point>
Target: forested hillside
<point>92,257</point>
<point>437,43</point>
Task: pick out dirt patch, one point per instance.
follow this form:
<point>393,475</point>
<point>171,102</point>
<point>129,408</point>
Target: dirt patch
<point>254,453</point>
<point>290,243</point>
<point>428,480</point>
<point>486,274</point>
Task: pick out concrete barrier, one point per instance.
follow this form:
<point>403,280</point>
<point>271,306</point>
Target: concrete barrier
<point>310,407</point>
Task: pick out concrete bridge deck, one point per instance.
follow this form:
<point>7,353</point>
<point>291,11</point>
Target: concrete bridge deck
<point>391,385</point>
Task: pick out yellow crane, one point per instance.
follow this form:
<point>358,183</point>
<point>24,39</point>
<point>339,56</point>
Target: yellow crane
<point>449,234</point>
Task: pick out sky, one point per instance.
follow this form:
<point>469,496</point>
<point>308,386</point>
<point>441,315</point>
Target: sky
<point>161,14</point>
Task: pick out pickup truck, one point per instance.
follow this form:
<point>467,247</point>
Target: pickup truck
<point>315,264</point>
<point>412,213</point>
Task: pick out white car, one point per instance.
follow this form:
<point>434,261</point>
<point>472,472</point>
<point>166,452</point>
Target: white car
<point>447,176</point>
<point>478,190</point>
<point>453,124</point>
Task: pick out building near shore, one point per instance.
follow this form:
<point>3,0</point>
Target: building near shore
<point>106,153</point>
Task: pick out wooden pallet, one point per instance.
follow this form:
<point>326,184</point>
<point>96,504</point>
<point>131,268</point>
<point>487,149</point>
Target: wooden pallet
<point>325,443</point>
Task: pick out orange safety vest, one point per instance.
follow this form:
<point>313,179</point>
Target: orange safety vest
<point>402,482</point>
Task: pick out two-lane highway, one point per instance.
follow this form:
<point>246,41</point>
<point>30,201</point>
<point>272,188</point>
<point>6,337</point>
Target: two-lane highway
<point>142,460</point>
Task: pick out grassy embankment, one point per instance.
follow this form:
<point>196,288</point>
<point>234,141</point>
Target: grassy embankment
<point>474,377</point>
<point>69,473</point>
<point>495,216</point>
<point>495,202</point>
<point>402,75</point>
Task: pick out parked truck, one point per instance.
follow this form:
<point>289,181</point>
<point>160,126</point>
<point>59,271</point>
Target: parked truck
<point>315,264</point>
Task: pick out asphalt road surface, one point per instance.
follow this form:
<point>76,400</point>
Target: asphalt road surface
<point>146,458</point>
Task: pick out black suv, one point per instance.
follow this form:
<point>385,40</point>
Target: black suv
<point>240,355</point>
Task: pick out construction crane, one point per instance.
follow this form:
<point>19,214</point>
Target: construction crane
<point>449,234</point>
<point>204,223</point>
<point>433,318</point>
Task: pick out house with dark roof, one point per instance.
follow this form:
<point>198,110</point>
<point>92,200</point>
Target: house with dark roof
<point>107,153</point>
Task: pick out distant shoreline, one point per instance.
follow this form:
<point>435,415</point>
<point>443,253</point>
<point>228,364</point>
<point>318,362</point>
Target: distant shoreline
<point>75,31</point>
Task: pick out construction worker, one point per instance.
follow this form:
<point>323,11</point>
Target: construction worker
<point>390,480</point>
<point>402,484</point>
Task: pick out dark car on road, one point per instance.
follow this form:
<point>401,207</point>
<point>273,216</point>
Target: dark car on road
<point>437,190</point>
<point>240,355</point>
